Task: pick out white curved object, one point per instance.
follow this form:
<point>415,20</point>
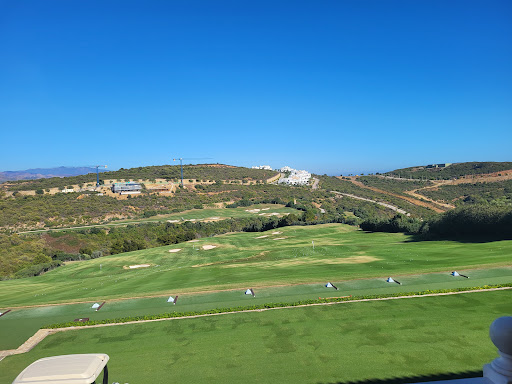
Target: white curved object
<point>499,371</point>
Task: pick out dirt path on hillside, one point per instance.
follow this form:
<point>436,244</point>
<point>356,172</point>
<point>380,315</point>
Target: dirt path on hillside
<point>411,200</point>
<point>436,185</point>
<point>396,209</point>
<point>484,178</point>
<point>41,334</point>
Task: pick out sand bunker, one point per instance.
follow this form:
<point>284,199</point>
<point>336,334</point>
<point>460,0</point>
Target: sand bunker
<point>193,241</point>
<point>138,266</point>
<point>280,238</point>
<point>207,247</point>
<point>173,221</point>
<point>253,210</point>
<point>261,237</point>
<point>276,233</point>
<point>270,214</point>
<point>174,250</point>
<point>265,209</point>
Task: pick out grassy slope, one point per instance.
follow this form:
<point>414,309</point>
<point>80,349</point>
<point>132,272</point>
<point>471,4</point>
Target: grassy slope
<point>345,342</point>
<point>241,259</point>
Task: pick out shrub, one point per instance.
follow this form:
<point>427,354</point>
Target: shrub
<point>37,269</point>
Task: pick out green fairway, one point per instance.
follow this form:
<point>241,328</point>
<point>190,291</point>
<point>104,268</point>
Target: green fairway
<point>342,342</point>
<point>280,257</point>
<point>266,210</point>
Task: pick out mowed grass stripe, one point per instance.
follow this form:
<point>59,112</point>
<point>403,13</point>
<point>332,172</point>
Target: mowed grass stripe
<point>354,341</point>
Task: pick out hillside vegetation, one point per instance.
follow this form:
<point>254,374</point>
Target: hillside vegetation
<point>393,185</point>
<point>345,186</point>
<point>452,171</point>
<point>168,172</point>
<point>62,210</point>
<point>496,193</point>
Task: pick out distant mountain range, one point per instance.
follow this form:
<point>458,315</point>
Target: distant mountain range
<point>45,173</point>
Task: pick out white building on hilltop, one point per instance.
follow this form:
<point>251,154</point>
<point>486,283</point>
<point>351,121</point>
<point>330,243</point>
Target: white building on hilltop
<point>286,169</point>
<point>267,167</point>
<point>296,177</point>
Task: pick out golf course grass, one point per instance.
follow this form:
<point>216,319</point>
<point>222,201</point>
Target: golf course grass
<point>290,255</point>
<point>334,343</point>
<point>21,323</point>
<point>206,214</point>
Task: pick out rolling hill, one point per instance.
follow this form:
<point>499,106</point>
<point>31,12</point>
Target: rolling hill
<point>456,170</point>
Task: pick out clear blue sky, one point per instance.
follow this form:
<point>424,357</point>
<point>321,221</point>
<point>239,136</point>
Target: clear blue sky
<point>329,86</point>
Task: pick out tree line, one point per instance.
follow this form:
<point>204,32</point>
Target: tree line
<point>469,223</point>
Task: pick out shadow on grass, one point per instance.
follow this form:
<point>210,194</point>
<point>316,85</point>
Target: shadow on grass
<point>416,238</point>
<point>476,239</point>
<point>417,379</point>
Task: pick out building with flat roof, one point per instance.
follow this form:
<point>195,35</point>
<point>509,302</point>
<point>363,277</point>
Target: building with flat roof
<point>126,188</point>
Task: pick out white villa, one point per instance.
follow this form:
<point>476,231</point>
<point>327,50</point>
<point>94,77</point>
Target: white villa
<point>296,177</point>
<point>267,167</point>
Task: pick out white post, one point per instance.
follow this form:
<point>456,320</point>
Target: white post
<point>499,371</point>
